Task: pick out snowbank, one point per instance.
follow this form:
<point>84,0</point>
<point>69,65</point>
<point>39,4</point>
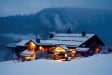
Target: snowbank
<point>94,65</point>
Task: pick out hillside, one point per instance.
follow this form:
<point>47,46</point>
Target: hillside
<point>59,19</point>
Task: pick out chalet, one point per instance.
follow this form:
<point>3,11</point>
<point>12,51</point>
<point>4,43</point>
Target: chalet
<point>59,45</point>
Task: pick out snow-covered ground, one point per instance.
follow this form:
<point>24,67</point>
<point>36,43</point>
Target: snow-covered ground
<point>94,65</point>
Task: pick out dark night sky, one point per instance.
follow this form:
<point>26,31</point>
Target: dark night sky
<point>13,7</point>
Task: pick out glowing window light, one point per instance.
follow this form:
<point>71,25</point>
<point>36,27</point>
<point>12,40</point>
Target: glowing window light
<point>97,50</point>
<point>31,46</point>
<point>41,49</point>
<point>73,51</point>
<point>66,55</point>
<point>27,58</point>
<point>33,57</point>
<point>59,49</point>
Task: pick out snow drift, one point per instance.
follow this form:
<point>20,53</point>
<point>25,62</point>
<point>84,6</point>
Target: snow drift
<point>94,65</point>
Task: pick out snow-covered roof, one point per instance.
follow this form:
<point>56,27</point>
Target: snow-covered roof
<point>71,35</point>
<point>72,39</point>
<point>27,53</point>
<point>59,42</point>
<point>47,42</point>
<point>65,47</point>
<point>82,49</point>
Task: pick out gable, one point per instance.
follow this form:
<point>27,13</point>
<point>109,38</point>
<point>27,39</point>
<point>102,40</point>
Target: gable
<point>32,42</point>
<point>93,40</point>
<point>25,42</point>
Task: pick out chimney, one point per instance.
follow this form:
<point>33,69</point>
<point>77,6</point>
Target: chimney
<point>83,33</point>
<point>51,35</point>
<point>69,30</point>
<point>38,40</point>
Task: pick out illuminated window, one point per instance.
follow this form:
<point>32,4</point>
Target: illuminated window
<point>97,50</point>
<point>31,46</point>
<point>58,50</point>
<point>41,49</point>
<point>73,51</point>
<point>33,57</point>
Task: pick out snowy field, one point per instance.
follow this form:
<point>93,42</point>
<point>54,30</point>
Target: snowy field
<point>94,65</point>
